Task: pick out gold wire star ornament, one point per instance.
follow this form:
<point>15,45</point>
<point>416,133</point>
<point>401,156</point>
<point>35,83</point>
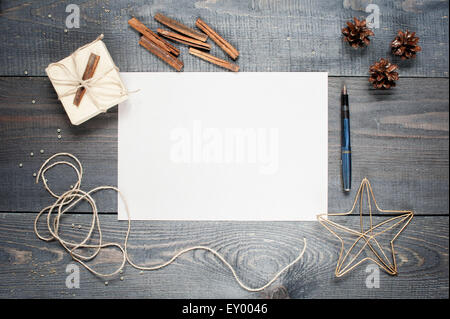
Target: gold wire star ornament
<point>368,237</point>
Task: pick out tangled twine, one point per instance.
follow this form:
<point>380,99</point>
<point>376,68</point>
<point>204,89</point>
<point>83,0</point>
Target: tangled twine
<point>70,198</point>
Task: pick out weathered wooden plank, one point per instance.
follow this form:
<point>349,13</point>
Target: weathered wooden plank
<point>284,35</point>
<point>399,139</point>
<point>33,268</point>
<point>30,127</point>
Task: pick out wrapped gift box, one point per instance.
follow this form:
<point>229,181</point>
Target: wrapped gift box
<point>103,91</point>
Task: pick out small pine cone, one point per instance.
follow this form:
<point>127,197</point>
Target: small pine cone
<point>383,75</point>
<point>357,34</point>
<point>405,45</point>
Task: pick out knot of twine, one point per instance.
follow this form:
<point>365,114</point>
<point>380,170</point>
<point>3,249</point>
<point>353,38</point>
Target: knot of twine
<point>71,197</point>
<point>75,80</point>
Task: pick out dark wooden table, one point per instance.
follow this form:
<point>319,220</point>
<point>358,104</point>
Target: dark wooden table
<point>400,140</point>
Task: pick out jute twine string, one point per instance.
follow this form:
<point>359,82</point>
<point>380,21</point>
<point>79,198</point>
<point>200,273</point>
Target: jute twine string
<point>75,80</point>
<point>67,200</point>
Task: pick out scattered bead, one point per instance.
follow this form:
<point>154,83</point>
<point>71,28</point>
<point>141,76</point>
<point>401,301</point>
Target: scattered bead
<point>71,186</point>
<point>31,154</point>
<point>121,278</point>
<point>58,130</point>
<point>25,72</point>
<point>73,225</point>
<point>42,151</point>
<point>141,272</point>
<point>20,165</point>
<point>34,174</point>
<point>49,15</point>
<point>79,226</point>
<point>106,283</point>
<point>33,101</point>
<point>59,136</point>
<point>65,30</point>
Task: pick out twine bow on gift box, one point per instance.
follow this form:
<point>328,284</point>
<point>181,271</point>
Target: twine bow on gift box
<point>85,83</point>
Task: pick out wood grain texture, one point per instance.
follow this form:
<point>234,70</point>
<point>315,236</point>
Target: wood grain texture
<point>36,269</point>
<point>26,127</point>
<point>400,141</point>
<point>399,137</point>
<point>287,35</point>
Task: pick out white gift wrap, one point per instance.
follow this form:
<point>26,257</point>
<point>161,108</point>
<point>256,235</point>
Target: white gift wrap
<point>105,91</point>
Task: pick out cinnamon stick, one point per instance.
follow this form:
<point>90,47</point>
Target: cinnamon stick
<point>88,73</point>
<point>215,60</point>
<point>185,40</point>
<point>177,26</point>
<point>221,42</point>
<point>149,34</point>
<point>161,53</point>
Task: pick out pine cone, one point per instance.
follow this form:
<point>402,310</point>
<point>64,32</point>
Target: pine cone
<point>357,34</point>
<point>383,75</point>
<point>405,45</point>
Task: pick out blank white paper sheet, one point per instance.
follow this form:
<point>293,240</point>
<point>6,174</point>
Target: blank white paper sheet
<point>224,146</point>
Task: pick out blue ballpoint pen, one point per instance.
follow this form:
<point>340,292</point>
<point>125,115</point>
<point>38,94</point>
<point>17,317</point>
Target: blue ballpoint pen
<point>346,150</point>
